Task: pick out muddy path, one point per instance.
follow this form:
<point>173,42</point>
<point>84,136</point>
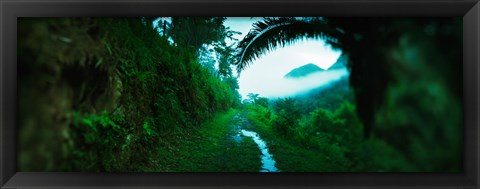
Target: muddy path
<point>242,130</point>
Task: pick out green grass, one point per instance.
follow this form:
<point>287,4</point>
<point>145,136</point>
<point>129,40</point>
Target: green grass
<point>210,149</point>
<point>289,156</point>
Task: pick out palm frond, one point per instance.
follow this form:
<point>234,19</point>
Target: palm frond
<point>271,33</point>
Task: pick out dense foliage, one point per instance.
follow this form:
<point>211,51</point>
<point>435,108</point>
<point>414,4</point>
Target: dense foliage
<point>329,137</point>
<point>110,94</point>
<point>405,75</point>
<point>117,95</point>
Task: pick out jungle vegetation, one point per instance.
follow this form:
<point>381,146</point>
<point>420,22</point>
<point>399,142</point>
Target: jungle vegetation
<point>128,95</point>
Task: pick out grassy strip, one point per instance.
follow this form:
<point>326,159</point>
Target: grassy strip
<point>211,149</point>
<point>290,157</point>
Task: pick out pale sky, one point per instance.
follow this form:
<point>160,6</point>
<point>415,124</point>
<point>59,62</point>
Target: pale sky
<point>265,75</point>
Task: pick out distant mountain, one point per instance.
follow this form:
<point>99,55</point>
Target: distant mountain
<point>303,71</point>
<point>340,63</point>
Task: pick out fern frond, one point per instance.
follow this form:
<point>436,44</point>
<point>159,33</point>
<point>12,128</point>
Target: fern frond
<point>271,33</point>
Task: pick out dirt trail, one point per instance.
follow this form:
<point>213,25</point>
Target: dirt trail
<point>241,129</point>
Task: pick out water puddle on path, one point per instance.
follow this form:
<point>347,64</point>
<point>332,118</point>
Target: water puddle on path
<point>268,163</point>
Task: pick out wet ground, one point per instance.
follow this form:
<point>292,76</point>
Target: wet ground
<point>243,129</point>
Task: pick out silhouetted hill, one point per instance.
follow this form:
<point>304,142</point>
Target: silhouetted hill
<point>303,71</point>
<point>340,63</point>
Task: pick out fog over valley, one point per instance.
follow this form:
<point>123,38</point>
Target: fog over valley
<point>279,87</point>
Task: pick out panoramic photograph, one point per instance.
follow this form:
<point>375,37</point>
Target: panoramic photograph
<point>240,94</point>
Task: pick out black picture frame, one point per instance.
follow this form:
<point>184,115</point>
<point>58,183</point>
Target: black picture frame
<point>10,10</point>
